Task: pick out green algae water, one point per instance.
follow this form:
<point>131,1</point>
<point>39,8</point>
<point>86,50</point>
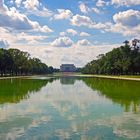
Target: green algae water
<point>69,108</point>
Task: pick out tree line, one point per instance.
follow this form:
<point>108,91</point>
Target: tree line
<point>16,62</point>
<point>124,60</point>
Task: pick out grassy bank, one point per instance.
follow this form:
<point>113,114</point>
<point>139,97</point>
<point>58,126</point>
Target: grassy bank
<point>119,77</point>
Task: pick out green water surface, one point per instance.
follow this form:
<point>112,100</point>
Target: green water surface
<point>42,108</point>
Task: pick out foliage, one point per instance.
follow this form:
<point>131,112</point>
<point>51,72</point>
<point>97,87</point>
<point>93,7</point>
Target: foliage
<point>15,90</point>
<point>125,93</point>
<point>16,62</point>
<point>122,60</point>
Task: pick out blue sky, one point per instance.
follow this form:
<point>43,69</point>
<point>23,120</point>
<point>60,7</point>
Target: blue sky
<point>68,31</point>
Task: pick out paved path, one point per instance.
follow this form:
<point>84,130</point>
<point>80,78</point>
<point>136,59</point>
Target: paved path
<point>14,77</point>
<point>119,77</point>
<point>111,77</point>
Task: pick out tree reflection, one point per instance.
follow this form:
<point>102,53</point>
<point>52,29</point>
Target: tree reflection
<point>126,93</point>
<point>15,90</point>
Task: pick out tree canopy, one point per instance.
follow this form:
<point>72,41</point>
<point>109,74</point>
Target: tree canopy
<point>16,62</point>
<point>122,60</point>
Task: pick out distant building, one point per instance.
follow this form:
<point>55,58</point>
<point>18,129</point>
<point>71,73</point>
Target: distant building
<point>67,68</point>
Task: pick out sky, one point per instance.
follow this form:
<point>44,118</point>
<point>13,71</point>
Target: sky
<point>68,31</point>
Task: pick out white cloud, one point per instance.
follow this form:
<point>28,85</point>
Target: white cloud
<point>62,33</point>
<point>3,7</point>
<point>21,38</point>
<point>6,35</point>
<point>96,10</point>
<point>28,4</point>
<point>79,20</point>
<point>83,8</point>
<point>102,26</point>
<point>128,18</point>
<point>83,42</point>
<point>71,31</point>
<point>44,29</point>
<point>34,7</point>
<point>13,19</point>
<point>18,2</point>
<point>44,12</point>
<point>30,39</point>
<point>126,2</point>
<point>126,23</point>
<point>100,3</point>
<point>3,43</point>
<point>63,14</point>
<point>62,42</point>
<point>77,54</point>
<point>31,4</point>
<point>83,34</point>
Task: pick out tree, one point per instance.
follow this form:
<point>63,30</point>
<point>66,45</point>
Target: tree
<point>120,60</point>
<point>16,62</point>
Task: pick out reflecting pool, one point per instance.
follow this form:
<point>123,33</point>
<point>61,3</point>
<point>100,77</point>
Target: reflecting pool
<point>72,108</point>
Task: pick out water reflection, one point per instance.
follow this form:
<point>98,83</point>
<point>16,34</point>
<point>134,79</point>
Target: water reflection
<point>15,90</point>
<point>126,93</point>
<point>70,108</point>
<point>68,80</point>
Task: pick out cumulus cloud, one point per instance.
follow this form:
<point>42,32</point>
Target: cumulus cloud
<point>28,4</point>
<point>18,2</point>
<point>83,42</point>
<point>78,20</point>
<point>21,38</point>
<point>44,12</point>
<point>128,18</point>
<point>30,39</point>
<point>62,42</point>
<point>83,8</point>
<point>31,4</point>
<point>63,14</point>
<point>96,10</point>
<point>71,31</point>
<point>3,43</point>
<point>78,54</point>
<point>126,2</point>
<point>102,26</point>
<point>44,29</point>
<point>7,35</point>
<point>83,34</point>
<point>100,3</point>
<point>127,23</point>
<point>34,7</point>
<point>62,33</point>
<point>13,19</point>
